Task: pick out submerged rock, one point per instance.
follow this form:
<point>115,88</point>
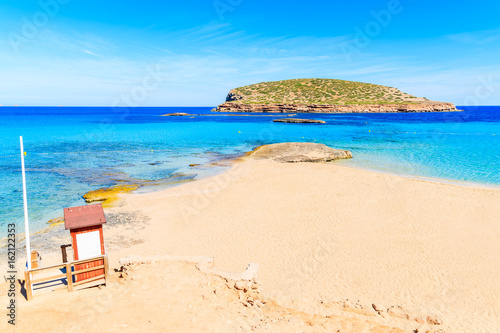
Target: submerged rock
<point>293,152</point>
<point>299,121</point>
<point>108,194</point>
<point>175,114</point>
<point>56,221</point>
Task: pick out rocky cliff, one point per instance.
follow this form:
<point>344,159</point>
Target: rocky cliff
<point>315,108</point>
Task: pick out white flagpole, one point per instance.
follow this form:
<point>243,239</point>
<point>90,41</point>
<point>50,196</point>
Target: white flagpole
<point>25,198</point>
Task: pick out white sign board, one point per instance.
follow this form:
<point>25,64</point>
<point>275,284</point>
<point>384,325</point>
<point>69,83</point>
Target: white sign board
<point>89,245</point>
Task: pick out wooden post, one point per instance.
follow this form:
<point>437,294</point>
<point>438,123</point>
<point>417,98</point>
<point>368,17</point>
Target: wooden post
<point>27,285</point>
<point>34,259</point>
<point>69,277</point>
<point>106,270</point>
<point>64,253</point>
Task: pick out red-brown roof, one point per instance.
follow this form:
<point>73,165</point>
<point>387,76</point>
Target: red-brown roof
<point>84,216</point>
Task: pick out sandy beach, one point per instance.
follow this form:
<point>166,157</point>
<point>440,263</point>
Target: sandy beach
<point>377,250</point>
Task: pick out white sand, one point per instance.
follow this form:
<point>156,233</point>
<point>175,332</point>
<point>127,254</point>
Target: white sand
<point>324,233</point>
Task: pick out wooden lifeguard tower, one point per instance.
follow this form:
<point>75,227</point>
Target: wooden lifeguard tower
<point>85,226</point>
<point>90,263</point>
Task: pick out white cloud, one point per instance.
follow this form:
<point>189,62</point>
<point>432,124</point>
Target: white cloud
<point>476,38</point>
<point>90,52</point>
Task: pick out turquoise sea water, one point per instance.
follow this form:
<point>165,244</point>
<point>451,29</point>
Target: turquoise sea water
<point>71,151</point>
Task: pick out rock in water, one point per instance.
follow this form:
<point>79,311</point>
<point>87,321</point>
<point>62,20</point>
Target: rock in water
<point>56,221</point>
<point>108,194</point>
<point>294,152</point>
<point>175,114</point>
<point>299,121</point>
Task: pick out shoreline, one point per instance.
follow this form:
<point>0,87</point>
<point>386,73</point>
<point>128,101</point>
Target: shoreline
<point>218,167</point>
<point>226,164</point>
<point>461,183</point>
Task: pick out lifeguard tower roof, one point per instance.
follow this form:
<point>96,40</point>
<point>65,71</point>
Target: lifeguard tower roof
<point>83,216</point>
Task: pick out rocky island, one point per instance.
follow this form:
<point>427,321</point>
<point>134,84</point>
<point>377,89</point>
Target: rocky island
<point>326,96</point>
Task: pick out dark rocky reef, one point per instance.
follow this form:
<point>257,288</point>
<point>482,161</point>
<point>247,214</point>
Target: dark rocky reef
<point>299,121</point>
<point>176,114</point>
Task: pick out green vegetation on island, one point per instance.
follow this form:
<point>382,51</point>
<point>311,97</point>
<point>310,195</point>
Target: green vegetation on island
<point>320,92</point>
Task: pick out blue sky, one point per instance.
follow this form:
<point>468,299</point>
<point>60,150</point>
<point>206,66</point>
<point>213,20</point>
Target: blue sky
<point>191,53</point>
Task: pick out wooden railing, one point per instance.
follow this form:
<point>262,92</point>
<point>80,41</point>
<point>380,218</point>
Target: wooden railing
<point>31,281</point>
